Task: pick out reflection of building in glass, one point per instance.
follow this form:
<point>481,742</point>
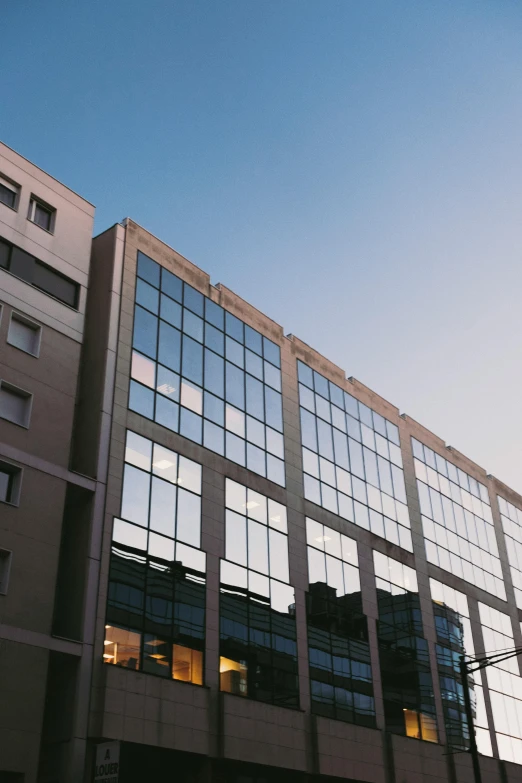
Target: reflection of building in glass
<point>258,648</point>
<point>409,705</point>
<point>156,594</point>
<point>258,645</point>
<point>339,656</point>
<point>155,615</point>
<point>450,646</point>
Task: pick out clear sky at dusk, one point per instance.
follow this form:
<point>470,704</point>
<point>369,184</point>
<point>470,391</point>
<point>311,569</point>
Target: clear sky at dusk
<point>352,168</point>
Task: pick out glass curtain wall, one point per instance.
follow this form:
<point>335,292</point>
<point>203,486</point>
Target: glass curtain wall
<point>338,650</point>
<point>512,524</point>
<point>407,685</point>
<point>454,639</point>
<point>155,619</point>
<point>504,682</point>
<point>352,459</point>
<point>258,647</point>
<point>457,521</point>
<point>200,371</point>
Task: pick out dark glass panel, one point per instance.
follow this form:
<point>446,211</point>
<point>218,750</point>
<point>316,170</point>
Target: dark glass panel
<point>148,269</point>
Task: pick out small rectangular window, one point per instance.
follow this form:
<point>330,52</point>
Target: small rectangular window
<point>53,283</point>
<point>9,192</point>
<point>5,568</point>
<point>24,334</point>
<point>15,404</point>
<point>42,214</point>
<point>5,254</point>
<point>10,482</point>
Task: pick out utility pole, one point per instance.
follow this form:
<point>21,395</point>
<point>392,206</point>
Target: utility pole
<point>467,667</point>
<point>469,715</point>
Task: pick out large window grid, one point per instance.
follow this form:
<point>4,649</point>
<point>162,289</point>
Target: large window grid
<point>457,521</point>
<point>352,459</point>
<point>156,600</point>
<point>505,683</point>
<point>258,647</point>
<point>409,705</point>
<point>338,650</point>
<point>512,524</point>
<point>454,638</point>
<point>200,371</point>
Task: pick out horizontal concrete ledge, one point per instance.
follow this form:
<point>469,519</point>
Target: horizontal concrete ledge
<point>36,639</point>
<point>30,461</point>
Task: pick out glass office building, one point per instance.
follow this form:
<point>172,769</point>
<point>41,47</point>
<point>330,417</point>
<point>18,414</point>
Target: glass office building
<point>310,562</point>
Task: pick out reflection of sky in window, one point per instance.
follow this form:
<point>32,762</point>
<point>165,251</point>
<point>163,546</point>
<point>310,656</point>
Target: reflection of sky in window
<point>161,503</point>
<point>256,545</point>
<point>512,524</point>
<point>200,371</point>
<point>457,521</point>
<point>352,459</point>
<point>505,683</point>
<point>332,558</point>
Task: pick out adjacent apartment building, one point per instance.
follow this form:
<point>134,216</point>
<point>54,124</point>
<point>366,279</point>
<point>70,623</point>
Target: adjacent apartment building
<point>221,559</point>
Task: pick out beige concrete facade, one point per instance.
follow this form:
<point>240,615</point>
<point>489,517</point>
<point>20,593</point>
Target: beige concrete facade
<point>32,528</point>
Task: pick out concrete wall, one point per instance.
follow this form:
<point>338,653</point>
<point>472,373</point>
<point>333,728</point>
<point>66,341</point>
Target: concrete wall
<point>32,531</point>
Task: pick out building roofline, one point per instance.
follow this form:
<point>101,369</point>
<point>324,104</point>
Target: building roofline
<point>48,175</point>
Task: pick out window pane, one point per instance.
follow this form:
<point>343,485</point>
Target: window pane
<point>192,360</point>
<point>141,400</point>
<point>55,284</point>
<point>254,398</point>
<point>257,546</point>
<point>190,425</point>
<point>189,475</point>
<point>278,555</point>
<point>273,409</point>
<point>193,300</point>
<point>253,340</point>
<point>148,269</point>
<point>167,413</point>
<point>135,495</point>
<point>168,383</point>
<point>170,311</point>
<point>163,507</point>
<point>235,390</point>
<point>143,369</point>
<point>214,373</point>
<point>169,346</point>
<point>147,296</point>
<point>189,516</point>
<point>171,285</point>
<point>236,538</point>
<point>138,451</point>
<point>145,332</point>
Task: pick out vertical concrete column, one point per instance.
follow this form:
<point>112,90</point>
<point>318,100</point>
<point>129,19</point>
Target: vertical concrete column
<point>295,509</point>
<point>213,543</point>
<point>421,566</point>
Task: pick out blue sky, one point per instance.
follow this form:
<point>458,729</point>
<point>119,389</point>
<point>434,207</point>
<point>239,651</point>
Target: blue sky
<point>352,168</point>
